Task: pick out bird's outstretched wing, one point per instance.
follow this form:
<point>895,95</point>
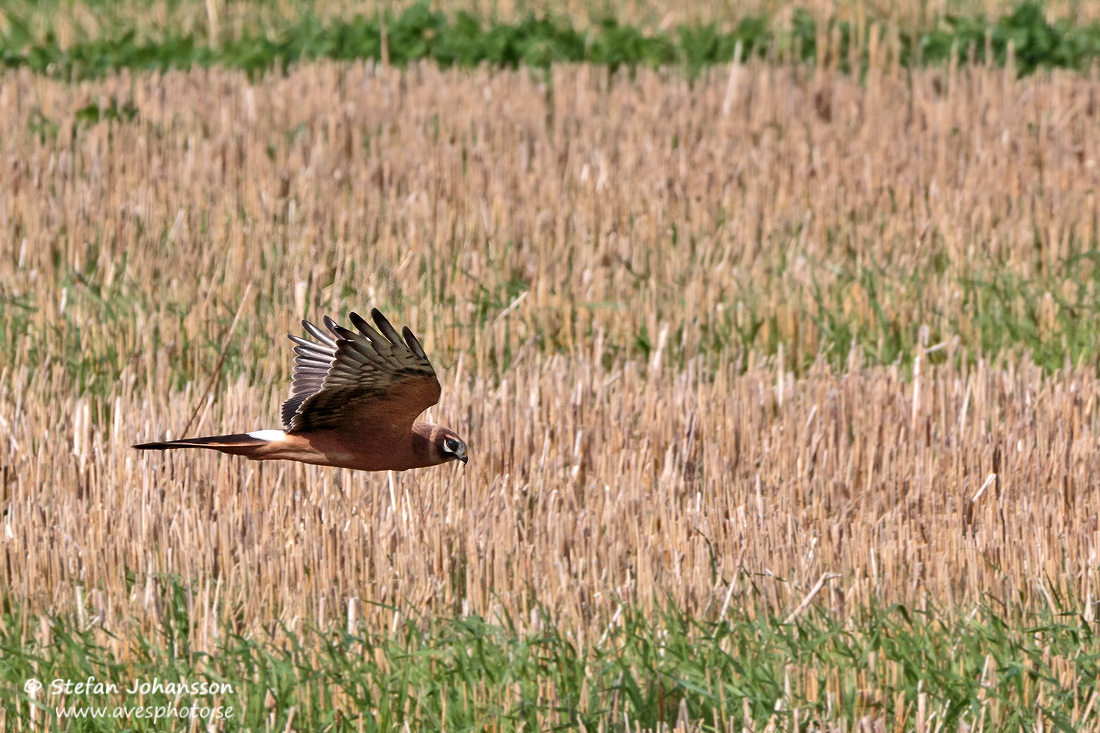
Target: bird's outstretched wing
<point>366,381</point>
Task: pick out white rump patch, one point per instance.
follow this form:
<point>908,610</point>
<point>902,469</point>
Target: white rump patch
<point>271,436</point>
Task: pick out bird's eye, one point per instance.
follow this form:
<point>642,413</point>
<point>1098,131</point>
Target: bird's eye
<point>452,445</point>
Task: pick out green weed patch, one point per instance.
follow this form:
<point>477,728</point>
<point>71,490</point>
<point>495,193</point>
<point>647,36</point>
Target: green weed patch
<point>420,33</point>
<point>649,669</point>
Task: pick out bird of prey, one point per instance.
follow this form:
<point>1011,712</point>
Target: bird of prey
<point>353,403</point>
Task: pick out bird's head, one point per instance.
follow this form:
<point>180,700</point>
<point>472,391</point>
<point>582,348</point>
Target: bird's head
<point>448,445</point>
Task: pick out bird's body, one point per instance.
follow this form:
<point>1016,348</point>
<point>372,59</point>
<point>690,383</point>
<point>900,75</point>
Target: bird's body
<point>353,404</point>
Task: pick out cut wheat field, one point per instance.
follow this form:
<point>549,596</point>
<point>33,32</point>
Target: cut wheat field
<point>768,343</point>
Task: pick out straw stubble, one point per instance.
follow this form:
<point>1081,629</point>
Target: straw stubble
<point>579,258</point>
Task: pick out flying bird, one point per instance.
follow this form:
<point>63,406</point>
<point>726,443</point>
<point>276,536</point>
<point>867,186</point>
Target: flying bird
<point>354,403</point>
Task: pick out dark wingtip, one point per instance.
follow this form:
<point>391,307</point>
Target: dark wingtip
<point>149,446</point>
<point>380,320</point>
<point>358,321</point>
<point>413,342</point>
<point>343,333</point>
<point>385,326</point>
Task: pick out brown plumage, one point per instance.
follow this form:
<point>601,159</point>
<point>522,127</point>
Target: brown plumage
<point>353,403</point>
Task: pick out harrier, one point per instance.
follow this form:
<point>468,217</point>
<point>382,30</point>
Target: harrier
<point>353,403</point>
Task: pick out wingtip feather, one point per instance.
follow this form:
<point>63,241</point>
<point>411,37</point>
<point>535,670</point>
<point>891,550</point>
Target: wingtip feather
<point>318,334</point>
<point>413,342</point>
<point>364,328</point>
<point>385,326</point>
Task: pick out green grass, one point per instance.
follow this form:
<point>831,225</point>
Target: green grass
<point>1052,317</point>
<point>998,313</point>
<point>93,362</point>
<point>465,672</point>
<point>419,33</point>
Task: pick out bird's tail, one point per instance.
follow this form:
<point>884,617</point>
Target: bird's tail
<point>240,444</point>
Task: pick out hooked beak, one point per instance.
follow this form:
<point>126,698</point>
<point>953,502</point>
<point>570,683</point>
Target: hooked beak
<point>464,459</point>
